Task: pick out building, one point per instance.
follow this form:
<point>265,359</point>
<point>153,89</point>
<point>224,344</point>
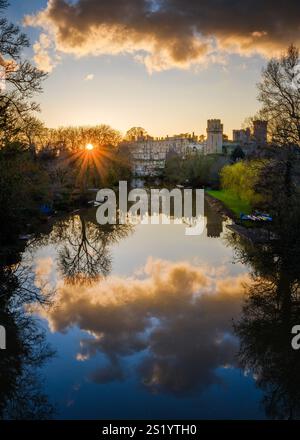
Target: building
<point>260,129</point>
<point>149,155</point>
<point>214,141</point>
<point>241,137</point>
<point>248,140</point>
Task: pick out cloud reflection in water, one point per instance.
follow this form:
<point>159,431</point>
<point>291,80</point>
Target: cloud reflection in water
<point>177,315</point>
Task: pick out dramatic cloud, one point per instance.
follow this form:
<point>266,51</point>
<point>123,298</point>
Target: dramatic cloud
<point>167,33</point>
<point>179,314</point>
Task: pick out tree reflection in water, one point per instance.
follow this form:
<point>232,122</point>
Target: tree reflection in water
<point>271,309</point>
<point>83,246</point>
<point>21,395</point>
<point>83,257</point>
<point>120,317</point>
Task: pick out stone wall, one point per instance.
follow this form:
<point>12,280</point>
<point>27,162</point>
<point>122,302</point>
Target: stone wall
<point>149,156</point>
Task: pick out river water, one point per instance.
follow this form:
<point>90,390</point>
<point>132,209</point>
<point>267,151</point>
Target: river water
<point>139,321</point>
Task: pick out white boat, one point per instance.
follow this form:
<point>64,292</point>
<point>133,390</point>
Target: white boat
<point>25,237</point>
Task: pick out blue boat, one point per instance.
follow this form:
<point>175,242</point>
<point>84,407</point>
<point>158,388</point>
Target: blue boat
<point>256,217</point>
<point>46,209</point>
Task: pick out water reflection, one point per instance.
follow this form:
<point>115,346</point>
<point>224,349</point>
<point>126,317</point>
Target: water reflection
<point>21,393</point>
<point>162,327</point>
<point>271,309</point>
<point>83,246</point>
<point>178,314</point>
<point>214,221</point>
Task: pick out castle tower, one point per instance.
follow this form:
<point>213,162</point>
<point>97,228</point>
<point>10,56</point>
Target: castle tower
<point>241,136</point>
<point>214,141</point>
<point>260,131</point>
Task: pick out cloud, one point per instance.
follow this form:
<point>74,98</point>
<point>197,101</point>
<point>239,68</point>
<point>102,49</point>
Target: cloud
<point>42,57</point>
<point>45,275</point>
<point>168,33</point>
<point>178,313</point>
<point>89,77</point>
<point>7,67</point>
<point>43,53</point>
<point>4,66</point>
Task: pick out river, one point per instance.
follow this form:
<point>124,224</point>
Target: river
<point>135,322</point>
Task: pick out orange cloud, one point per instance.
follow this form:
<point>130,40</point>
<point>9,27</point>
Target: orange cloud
<point>167,33</point>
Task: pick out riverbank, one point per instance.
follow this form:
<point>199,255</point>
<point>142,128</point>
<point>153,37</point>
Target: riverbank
<point>255,235</point>
<point>219,206</point>
<point>231,203</point>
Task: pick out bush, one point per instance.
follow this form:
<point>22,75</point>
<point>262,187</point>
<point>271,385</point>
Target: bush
<point>241,178</point>
<point>24,187</point>
<point>197,170</point>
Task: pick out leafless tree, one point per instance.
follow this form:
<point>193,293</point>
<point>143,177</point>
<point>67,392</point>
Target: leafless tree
<point>22,79</point>
<point>279,93</point>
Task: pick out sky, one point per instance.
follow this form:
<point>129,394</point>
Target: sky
<point>165,65</point>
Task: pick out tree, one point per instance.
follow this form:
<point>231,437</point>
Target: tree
<point>237,154</point>
<point>21,390</point>
<point>174,171</point>
<point>21,79</point>
<point>198,169</point>
<point>24,186</point>
<point>31,131</point>
<point>73,138</point>
<point>241,179</point>
<point>134,133</point>
<point>120,166</point>
<point>278,182</point>
<point>83,246</point>
<point>279,93</point>
<point>271,308</point>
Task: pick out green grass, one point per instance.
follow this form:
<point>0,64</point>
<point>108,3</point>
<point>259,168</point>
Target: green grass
<point>231,201</point>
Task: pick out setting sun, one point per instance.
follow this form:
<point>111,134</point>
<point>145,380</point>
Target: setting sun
<point>89,147</point>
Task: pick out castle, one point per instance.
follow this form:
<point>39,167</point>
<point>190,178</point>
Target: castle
<point>149,155</point>
<point>214,141</point>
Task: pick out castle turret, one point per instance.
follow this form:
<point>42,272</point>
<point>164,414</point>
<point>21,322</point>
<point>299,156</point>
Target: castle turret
<point>214,143</point>
<point>260,132</point>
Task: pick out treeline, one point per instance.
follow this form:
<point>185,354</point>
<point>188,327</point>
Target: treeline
<point>23,182</point>
<point>31,179</point>
<point>71,139</point>
<point>40,166</point>
<point>271,180</point>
